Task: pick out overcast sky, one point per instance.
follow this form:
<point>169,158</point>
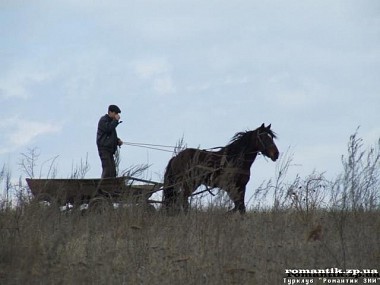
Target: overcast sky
<point>203,70</point>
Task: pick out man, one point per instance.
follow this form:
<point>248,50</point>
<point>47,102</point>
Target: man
<point>107,140</point>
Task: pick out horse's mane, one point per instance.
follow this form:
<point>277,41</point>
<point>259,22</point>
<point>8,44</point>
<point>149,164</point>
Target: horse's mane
<point>241,137</point>
<point>246,135</point>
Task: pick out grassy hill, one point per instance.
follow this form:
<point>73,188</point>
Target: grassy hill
<point>311,223</point>
<point>40,245</point>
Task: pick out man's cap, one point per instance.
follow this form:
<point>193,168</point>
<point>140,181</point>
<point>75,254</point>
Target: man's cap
<point>114,108</point>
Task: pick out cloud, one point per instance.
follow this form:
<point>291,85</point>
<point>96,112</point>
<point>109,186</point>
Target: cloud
<point>158,72</point>
<point>372,136</point>
<point>164,85</point>
<point>294,91</point>
<point>23,132</point>
<point>16,83</point>
<point>151,68</point>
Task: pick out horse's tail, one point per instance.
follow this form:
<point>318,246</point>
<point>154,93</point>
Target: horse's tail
<point>169,183</point>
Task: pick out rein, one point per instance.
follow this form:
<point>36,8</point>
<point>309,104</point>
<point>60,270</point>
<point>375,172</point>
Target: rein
<point>166,148</point>
<point>159,147</point>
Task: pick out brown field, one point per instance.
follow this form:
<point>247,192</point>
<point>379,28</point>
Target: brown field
<point>40,245</point>
<point>311,223</point>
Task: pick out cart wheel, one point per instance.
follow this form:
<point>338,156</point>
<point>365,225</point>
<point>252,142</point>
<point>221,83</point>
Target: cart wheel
<point>149,208</point>
<point>99,205</point>
<point>44,198</point>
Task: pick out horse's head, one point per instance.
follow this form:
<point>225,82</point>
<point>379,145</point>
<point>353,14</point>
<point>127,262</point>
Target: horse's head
<point>266,144</point>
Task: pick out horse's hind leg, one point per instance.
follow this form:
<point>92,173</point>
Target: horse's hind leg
<point>168,197</point>
<point>185,204</point>
<point>185,198</point>
<point>171,199</point>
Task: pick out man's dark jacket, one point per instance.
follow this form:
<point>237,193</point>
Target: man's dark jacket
<point>106,138</point>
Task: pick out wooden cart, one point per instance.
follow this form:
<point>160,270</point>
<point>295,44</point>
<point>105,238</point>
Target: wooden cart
<point>93,191</point>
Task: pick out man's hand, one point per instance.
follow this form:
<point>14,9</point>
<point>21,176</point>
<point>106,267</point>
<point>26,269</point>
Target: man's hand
<point>119,142</point>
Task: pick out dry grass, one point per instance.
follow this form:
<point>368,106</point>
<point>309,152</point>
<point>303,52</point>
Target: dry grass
<point>40,245</point>
<point>312,224</point>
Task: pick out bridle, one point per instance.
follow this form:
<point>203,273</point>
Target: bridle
<point>265,147</point>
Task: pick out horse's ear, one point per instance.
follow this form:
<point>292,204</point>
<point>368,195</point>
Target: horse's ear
<point>269,126</point>
<point>262,126</point>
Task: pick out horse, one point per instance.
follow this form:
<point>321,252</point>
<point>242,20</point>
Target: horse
<point>227,168</point>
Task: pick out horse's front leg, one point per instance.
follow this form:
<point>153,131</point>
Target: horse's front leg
<point>238,199</point>
<point>240,206</point>
<point>185,204</point>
